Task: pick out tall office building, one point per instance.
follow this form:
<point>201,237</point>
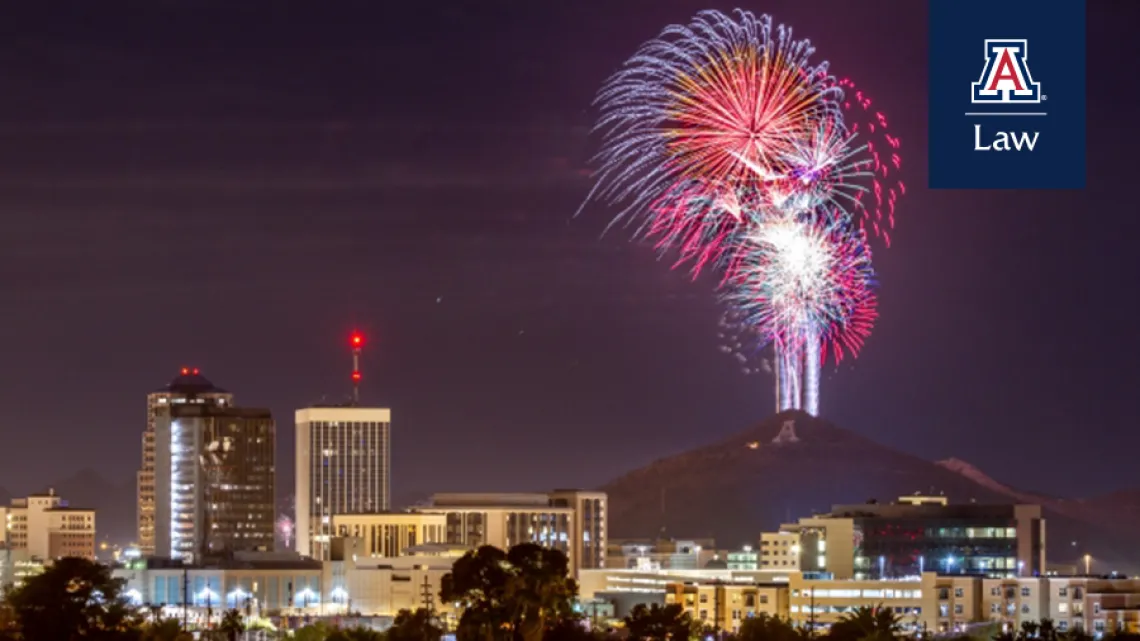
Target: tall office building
<point>214,480</point>
<point>188,387</point>
<point>344,459</point>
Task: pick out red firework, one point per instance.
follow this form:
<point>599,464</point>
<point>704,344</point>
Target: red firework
<point>872,129</point>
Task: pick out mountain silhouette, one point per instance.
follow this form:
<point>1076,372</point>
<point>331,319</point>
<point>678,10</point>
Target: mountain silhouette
<point>794,465</point>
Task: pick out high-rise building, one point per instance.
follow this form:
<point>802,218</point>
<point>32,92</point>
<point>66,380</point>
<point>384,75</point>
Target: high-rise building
<point>188,387</point>
<point>344,459</point>
<point>214,480</point>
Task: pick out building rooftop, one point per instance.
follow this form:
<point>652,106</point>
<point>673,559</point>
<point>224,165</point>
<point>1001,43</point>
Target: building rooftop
<point>191,381</point>
<point>468,500</point>
<point>188,410</point>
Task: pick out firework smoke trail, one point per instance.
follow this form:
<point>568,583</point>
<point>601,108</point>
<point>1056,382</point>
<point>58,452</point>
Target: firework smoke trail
<point>700,114</point>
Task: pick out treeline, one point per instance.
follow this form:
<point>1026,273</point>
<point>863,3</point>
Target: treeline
<point>522,594</point>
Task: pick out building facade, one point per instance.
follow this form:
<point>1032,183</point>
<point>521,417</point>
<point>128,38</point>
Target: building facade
<point>390,534</point>
<point>44,527</point>
<point>259,582</point>
<point>928,603</point>
<point>913,536</point>
<point>725,606</point>
<point>1097,605</point>
<point>343,457</point>
<point>588,529</point>
<point>215,479</point>
<point>572,521</point>
<point>661,554</point>
<point>780,551</point>
<point>188,387</point>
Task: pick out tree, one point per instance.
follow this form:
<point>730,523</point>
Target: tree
<point>414,626</point>
<point>866,623</point>
<point>364,634</point>
<point>768,628</point>
<point>541,589</point>
<point>668,623</point>
<point>569,629</point>
<point>164,630</point>
<point>504,594</point>
<point>74,599</point>
<point>232,624</point>
<point>478,583</point>
<point>318,631</point>
<point>355,634</point>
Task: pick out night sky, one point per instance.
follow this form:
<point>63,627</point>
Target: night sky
<point>236,189</point>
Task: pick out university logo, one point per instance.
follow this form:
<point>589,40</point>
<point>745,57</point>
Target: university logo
<point>1006,79</point>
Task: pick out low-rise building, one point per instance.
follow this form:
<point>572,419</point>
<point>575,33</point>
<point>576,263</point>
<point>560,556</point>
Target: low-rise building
<point>1098,605</point>
<point>262,583</point>
<point>390,534</point>
<point>573,521</point>
<point>44,526</point>
<point>929,602</point>
<point>661,554</point>
<point>725,606</point>
<point>383,586</point>
<point>919,534</point>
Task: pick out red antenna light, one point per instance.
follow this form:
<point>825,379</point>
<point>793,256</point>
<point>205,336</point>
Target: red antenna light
<point>357,342</point>
<point>195,371</point>
<point>185,371</point>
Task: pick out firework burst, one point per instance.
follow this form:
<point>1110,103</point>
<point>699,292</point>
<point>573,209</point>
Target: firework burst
<point>715,106</point>
<point>883,148</point>
<point>797,282</point>
<point>725,144</point>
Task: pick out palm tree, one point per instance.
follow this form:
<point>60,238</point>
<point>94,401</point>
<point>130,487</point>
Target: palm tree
<point>232,624</point>
<point>657,623</point>
<point>863,623</point>
<point>769,628</point>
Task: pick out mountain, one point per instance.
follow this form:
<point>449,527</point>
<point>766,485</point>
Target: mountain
<point>793,465</point>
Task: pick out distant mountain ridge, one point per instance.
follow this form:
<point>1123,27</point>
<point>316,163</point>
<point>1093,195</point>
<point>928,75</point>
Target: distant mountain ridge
<point>793,465</point>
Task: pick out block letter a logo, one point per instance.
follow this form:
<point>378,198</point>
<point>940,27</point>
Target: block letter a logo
<point>1006,78</point>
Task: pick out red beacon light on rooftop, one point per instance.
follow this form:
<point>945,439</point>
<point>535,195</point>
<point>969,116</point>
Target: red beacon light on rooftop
<point>357,340</point>
<point>356,377</point>
<point>185,371</point>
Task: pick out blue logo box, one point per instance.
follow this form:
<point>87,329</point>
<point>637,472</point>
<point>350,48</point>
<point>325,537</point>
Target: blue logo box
<point>1007,94</point>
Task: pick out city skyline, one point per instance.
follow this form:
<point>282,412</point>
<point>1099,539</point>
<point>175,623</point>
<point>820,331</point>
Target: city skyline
<point>444,232</point>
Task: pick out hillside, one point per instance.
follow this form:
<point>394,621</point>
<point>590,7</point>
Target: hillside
<point>759,478</point>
